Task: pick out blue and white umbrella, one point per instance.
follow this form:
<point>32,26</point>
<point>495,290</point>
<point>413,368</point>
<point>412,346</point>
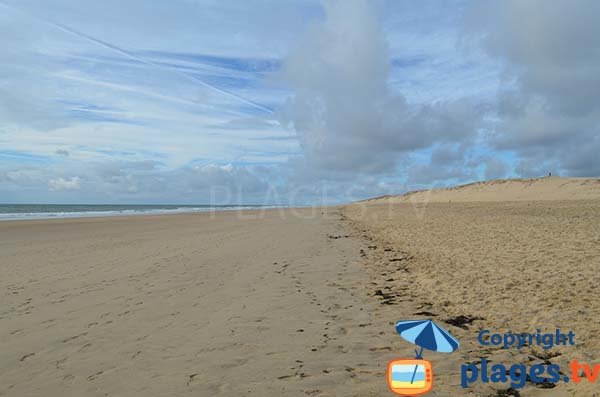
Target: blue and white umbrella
<point>426,334</point>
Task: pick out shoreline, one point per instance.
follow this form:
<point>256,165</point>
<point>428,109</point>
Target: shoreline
<point>133,213</point>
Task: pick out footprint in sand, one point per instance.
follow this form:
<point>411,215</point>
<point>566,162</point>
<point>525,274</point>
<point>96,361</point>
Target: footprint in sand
<point>70,338</point>
<point>25,357</point>
<point>68,378</point>
<point>84,347</point>
<point>60,363</point>
<point>191,378</point>
<point>93,377</point>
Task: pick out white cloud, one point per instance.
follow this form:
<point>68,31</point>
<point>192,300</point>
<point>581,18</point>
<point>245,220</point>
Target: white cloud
<point>72,183</point>
<point>346,117</point>
<point>548,113</point>
<point>381,94</point>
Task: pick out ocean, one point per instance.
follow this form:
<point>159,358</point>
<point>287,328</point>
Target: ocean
<point>48,211</point>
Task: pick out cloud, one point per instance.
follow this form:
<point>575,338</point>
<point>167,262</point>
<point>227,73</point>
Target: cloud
<point>61,90</point>
<point>72,183</point>
<point>140,181</point>
<point>420,175</point>
<point>346,117</point>
<point>549,109</point>
<point>495,169</point>
<point>138,131</point>
<point>373,97</point>
<point>212,183</point>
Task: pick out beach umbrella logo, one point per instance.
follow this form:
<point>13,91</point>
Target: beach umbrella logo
<point>411,377</point>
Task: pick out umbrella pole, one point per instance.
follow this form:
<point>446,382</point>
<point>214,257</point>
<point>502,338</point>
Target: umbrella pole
<point>419,355</point>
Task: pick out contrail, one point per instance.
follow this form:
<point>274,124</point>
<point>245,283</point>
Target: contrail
<point>134,57</point>
<point>121,87</point>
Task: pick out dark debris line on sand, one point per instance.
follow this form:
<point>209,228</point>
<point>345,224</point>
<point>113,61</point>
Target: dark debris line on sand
<point>510,392</point>
<point>462,321</point>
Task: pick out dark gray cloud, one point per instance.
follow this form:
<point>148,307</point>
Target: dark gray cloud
<point>495,169</point>
<point>448,155</point>
<point>449,163</point>
<point>430,174</point>
<point>549,109</point>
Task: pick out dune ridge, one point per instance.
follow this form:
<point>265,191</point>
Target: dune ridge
<point>533,189</point>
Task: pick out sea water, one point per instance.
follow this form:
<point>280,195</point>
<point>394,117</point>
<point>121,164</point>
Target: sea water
<point>48,211</point>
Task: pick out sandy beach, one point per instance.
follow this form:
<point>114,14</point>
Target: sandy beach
<point>329,198</point>
<point>292,302</point>
<point>251,303</point>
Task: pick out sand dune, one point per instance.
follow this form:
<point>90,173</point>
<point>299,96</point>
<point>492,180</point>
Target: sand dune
<point>536,189</point>
<point>494,261</point>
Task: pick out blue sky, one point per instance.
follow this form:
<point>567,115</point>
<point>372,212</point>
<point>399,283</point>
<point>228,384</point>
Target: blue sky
<point>254,102</point>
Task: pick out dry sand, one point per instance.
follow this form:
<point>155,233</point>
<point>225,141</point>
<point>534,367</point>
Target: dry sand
<point>293,303</point>
<point>506,265</point>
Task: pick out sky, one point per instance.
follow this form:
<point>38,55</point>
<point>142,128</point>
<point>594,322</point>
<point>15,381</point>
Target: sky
<point>291,103</point>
